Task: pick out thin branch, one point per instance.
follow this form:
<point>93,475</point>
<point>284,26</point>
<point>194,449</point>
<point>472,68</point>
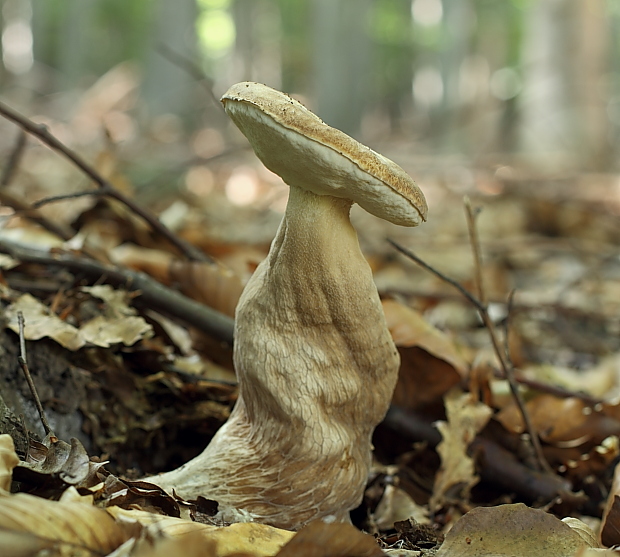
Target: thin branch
<point>151,294</point>
<point>466,294</point>
<point>24,365</point>
<point>482,311</point>
<point>192,69</point>
<point>65,196</point>
<point>504,360</point>
<point>17,203</point>
<point>42,133</point>
<point>471,215</point>
<point>507,324</point>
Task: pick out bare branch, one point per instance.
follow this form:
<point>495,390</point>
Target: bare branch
<point>17,203</point>
<point>501,354</point>
<point>152,294</point>
<point>484,315</point>
<point>42,133</point>
<point>192,69</point>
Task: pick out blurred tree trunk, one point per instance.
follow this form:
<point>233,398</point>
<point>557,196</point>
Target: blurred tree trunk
<point>257,42</point>
<point>167,88</point>
<point>341,61</point>
<point>393,55</point>
<point>75,44</point>
<point>243,12</point>
<point>458,17</point>
<point>565,64</point>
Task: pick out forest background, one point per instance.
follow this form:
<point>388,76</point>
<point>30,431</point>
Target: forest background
<point>538,80</point>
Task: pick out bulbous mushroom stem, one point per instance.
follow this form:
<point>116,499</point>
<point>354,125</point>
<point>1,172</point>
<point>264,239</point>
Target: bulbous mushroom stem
<point>316,367</point>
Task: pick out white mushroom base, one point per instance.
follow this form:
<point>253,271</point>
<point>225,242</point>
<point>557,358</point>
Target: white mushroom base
<point>316,367</point>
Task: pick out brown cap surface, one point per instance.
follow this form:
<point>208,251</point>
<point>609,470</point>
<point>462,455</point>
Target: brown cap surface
<point>298,146</point>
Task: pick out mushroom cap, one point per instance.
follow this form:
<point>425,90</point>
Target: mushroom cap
<point>305,152</point>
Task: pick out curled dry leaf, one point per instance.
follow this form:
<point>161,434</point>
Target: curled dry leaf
<point>70,462</point>
<point>581,528</point>
<point>431,363</point>
<point>8,461</point>
<point>466,417</point>
<point>508,530</point>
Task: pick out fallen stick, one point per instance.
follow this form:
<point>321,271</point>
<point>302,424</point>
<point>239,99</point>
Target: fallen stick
<point>152,294</point>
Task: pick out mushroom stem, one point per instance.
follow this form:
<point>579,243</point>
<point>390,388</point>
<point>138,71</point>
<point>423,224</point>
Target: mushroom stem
<point>313,381</point>
<point>313,301</point>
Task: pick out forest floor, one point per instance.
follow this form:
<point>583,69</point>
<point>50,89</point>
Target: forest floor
<point>134,382</point>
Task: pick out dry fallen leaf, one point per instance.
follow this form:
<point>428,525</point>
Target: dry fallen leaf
<point>610,526</point>
<point>397,505</point>
<point>26,519</point>
<point>117,324</point>
<point>509,530</point>
<point>258,540</point>
<point>190,545</point>
<point>212,284</point>
<point>431,364</point>
<point>69,462</point>
<point>577,423</point>
<point>8,461</point>
<point>41,322</point>
<point>319,539</point>
<point>466,417</point>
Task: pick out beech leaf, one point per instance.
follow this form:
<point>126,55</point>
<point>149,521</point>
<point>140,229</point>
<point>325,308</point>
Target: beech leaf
<point>509,530</point>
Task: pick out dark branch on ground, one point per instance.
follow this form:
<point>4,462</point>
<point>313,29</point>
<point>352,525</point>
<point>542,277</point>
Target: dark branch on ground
<point>152,294</point>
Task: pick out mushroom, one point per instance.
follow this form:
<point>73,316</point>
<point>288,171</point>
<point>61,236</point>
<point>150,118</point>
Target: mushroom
<point>314,358</point>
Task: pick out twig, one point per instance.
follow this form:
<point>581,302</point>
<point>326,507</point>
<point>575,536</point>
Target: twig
<point>507,323</point>
<point>482,311</point>
<point>466,294</point>
<point>471,215</point>
<point>20,205</point>
<point>504,360</point>
<point>24,365</point>
<point>41,132</point>
<point>192,69</point>
<point>65,196</point>
<point>152,294</point>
